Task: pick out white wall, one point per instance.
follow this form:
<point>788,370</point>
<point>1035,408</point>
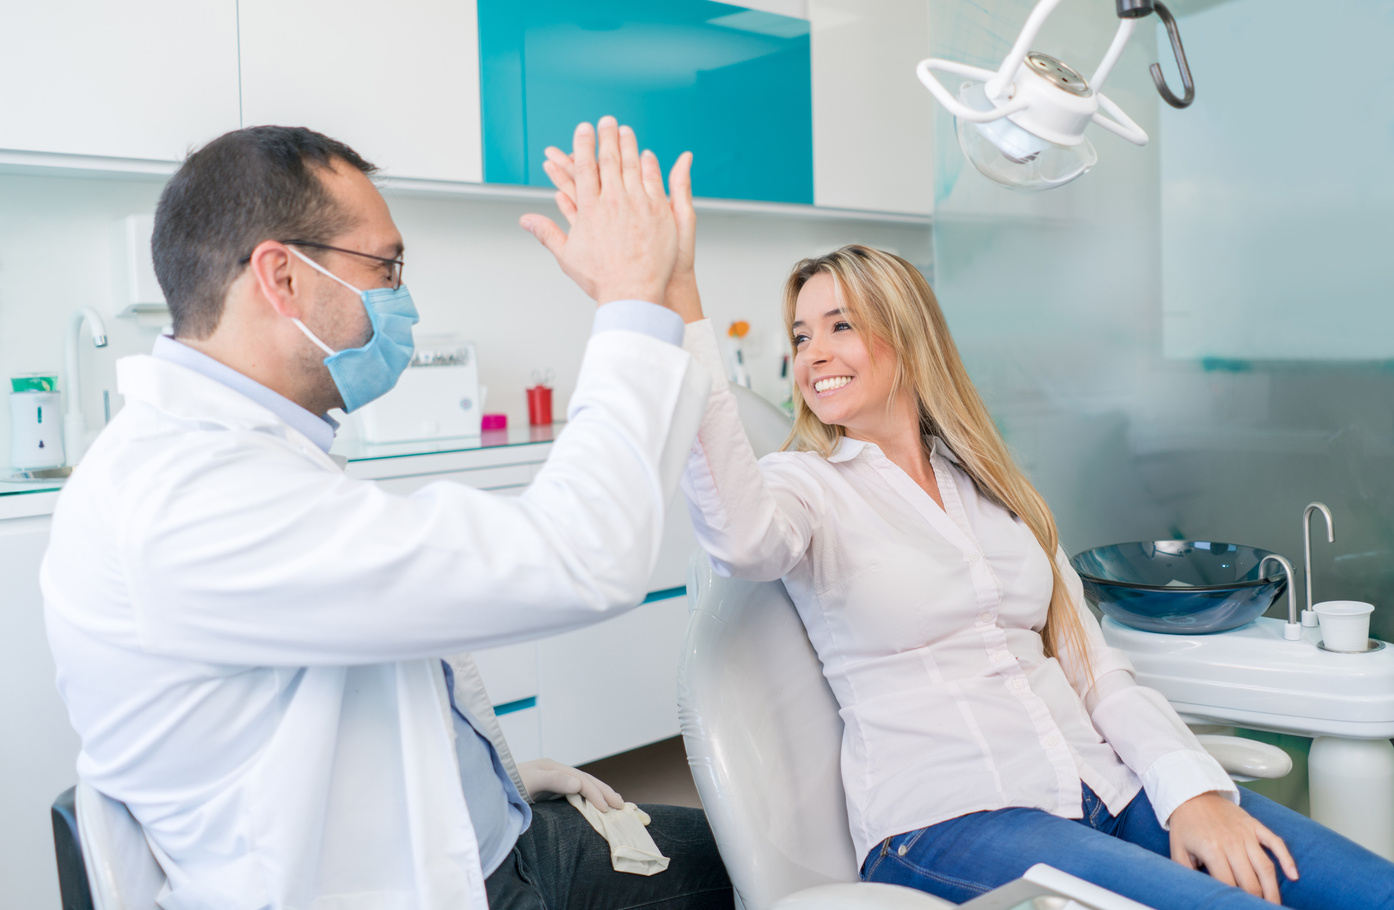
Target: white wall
<point>471,269</point>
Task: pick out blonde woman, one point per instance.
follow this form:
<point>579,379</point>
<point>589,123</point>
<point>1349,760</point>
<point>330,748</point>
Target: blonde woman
<point>988,726</point>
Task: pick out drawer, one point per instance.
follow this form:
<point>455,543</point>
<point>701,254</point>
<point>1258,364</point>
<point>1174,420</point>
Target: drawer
<point>509,672</point>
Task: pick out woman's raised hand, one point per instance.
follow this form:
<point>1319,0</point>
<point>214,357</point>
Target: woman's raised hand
<point>681,293</point>
<point>1210,831</point>
<point>623,242</point>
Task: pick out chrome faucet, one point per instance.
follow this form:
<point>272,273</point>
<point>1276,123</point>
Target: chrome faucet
<point>1309,618</point>
<point>1293,630</point>
<point>74,429</point>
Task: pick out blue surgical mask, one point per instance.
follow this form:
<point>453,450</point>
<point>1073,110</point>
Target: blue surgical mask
<point>366,373</point>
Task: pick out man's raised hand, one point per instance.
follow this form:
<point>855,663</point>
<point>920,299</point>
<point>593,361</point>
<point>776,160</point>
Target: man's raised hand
<point>623,242</point>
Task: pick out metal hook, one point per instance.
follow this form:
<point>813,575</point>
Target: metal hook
<point>1174,34</point>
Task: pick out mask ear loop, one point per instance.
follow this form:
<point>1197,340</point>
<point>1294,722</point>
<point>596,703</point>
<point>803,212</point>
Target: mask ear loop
<point>300,325</point>
<point>311,335</point>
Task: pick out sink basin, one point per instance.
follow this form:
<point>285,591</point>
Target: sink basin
<point>1183,587</point>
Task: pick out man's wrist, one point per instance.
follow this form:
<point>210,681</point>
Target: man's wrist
<point>648,292</point>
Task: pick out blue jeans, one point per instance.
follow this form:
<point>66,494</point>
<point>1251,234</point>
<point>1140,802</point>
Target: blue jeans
<point>1130,854</point>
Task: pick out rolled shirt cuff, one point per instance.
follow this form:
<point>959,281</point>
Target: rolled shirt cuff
<point>1181,775</point>
<point>639,316</point>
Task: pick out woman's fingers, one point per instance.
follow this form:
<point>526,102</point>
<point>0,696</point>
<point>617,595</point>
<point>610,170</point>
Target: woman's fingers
<point>1266,871</point>
<point>1279,849</point>
<point>652,176</point>
<point>567,206</point>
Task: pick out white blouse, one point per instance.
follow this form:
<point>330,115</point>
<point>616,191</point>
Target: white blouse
<point>927,622</point>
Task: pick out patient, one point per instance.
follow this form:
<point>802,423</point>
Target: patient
<point>988,726</point>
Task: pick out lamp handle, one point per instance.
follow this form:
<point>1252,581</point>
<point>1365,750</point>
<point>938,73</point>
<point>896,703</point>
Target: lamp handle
<point>952,104</point>
<point>1117,122</point>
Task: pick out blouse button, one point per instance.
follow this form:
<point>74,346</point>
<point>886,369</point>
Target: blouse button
<point>1018,683</point>
<point>985,617</point>
<point>972,557</point>
<point>1052,742</point>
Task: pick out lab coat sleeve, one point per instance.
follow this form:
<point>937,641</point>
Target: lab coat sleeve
<point>1137,721</point>
<point>754,519</point>
<point>239,552</point>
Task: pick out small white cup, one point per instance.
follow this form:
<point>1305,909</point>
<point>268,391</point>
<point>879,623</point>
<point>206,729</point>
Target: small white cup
<point>1345,624</point>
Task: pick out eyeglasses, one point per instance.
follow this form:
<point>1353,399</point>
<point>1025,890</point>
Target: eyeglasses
<point>394,266</point>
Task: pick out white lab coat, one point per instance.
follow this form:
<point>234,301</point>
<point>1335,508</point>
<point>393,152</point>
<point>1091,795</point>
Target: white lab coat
<point>247,638</point>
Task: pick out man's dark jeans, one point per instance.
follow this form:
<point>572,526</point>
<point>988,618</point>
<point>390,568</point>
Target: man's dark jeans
<point>562,863</point>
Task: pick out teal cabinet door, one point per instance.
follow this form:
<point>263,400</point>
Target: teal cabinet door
<point>729,84</point>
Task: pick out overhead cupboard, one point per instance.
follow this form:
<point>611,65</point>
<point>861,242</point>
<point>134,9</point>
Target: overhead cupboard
<point>781,101</point>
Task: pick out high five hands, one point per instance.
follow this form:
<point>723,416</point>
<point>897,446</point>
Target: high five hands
<point>627,240</point>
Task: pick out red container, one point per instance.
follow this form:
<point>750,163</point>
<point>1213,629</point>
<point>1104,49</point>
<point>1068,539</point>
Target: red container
<point>539,405</point>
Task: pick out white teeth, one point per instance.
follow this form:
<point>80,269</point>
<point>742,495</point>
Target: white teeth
<point>832,382</point>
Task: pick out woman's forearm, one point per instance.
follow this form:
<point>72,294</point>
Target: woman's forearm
<point>753,525</point>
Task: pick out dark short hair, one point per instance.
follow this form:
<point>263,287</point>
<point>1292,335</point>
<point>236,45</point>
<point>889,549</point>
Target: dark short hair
<point>247,186</point>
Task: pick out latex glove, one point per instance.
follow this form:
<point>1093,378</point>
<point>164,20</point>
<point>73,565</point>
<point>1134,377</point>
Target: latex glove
<point>623,242</point>
<point>545,776</point>
<point>681,295</point>
<point>1211,831</point>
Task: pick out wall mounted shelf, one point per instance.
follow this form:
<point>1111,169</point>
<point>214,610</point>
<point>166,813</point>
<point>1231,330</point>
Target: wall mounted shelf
<point>52,164</point>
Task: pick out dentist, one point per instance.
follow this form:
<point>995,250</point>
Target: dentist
<point>249,641</point>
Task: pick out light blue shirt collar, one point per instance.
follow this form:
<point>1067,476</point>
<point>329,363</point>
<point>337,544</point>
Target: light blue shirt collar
<point>319,430</point>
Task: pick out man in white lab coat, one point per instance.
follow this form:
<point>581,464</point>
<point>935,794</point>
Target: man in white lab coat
<point>249,641</point>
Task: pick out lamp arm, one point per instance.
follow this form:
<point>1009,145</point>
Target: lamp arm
<point>952,104</point>
<point>1019,50</point>
<point>1126,27</point>
<point>1117,122</point>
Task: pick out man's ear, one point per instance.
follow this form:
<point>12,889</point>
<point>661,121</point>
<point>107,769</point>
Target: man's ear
<point>270,265</point>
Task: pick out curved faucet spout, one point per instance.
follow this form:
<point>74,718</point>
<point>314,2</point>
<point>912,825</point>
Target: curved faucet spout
<point>1308,617</point>
<point>1293,630</point>
<point>74,429</point>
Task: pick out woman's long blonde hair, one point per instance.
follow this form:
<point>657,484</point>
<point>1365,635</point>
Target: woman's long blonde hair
<point>884,297</point>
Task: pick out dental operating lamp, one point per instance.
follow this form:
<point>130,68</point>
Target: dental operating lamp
<point>1023,125</point>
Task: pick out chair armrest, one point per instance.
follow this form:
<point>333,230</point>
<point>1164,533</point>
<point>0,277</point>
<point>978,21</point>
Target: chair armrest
<point>859,896</point>
<point>1246,759</point>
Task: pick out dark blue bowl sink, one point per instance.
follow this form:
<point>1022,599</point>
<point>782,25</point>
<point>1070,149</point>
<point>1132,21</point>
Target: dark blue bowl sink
<point>1183,587</point>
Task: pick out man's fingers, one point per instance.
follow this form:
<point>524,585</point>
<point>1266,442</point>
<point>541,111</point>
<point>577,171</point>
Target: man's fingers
<point>586,173</point>
<point>608,793</point>
<point>629,160</point>
<point>546,232</point>
<point>600,794</point>
<point>611,173</point>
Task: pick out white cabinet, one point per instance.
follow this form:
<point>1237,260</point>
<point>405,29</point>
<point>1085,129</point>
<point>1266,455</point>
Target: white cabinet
<point>612,687</point>
<point>872,120</point>
<point>399,82</point>
<point>38,748</point>
<point>137,79</point>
